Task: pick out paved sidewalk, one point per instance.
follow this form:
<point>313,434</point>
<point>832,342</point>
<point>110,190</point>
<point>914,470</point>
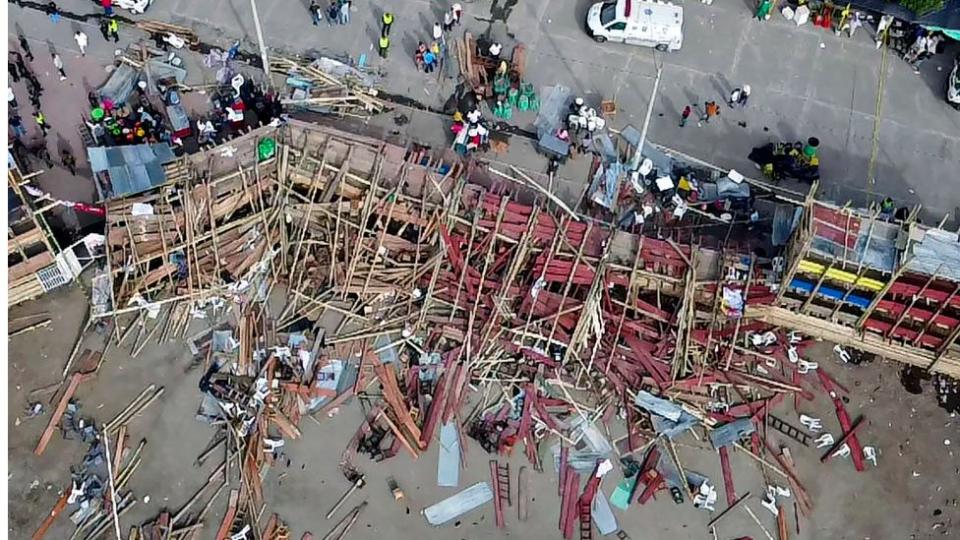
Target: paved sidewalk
<point>800,88</point>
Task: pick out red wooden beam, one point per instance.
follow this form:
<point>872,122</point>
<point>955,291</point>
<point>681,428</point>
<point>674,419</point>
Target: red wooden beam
<point>75,381</point>
<point>224,531</point>
<point>48,521</point>
<point>839,444</point>
<point>568,512</point>
<point>728,487</point>
<point>856,451</point>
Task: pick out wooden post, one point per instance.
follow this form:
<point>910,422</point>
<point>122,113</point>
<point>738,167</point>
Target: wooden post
<point>75,380</point>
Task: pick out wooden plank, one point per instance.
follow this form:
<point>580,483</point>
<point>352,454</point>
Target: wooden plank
<point>48,521</point>
<point>285,425</point>
<point>224,531</point>
<point>24,241</point>
<point>75,380</point>
<point>29,266</point>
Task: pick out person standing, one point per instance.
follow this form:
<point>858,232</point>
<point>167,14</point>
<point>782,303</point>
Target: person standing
<point>25,45</point>
<point>418,55</point>
<point>387,22</point>
<point>384,46</point>
<point>345,12</point>
<point>113,27</point>
<point>18,61</point>
<point>58,63</point>
<point>70,162</point>
<point>887,208</point>
<point>16,123</point>
<point>437,32</point>
<point>54,12</point>
<point>107,6</point>
<point>448,21</point>
<point>763,10</point>
<point>315,12</point>
<point>105,29</point>
<point>685,115</point>
<point>744,96</point>
<point>711,109</point>
<point>734,97</point>
<point>82,42</point>
<point>882,27</point>
<point>333,13</point>
<point>41,122</point>
<point>429,61</point>
<point>11,99</point>
<point>457,11</point>
<point>13,70</point>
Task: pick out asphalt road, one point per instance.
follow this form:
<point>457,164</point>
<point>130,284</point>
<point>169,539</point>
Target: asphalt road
<point>806,81</point>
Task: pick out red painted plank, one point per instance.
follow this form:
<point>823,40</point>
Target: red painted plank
<point>856,451</point>
<point>728,486</point>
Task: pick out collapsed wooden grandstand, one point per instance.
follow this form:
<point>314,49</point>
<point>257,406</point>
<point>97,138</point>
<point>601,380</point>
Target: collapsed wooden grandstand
<point>399,241</point>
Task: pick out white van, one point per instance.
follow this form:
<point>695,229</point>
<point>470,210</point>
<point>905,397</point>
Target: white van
<point>645,23</point>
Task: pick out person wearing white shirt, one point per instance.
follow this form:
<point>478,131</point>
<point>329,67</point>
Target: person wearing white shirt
<point>82,41</point>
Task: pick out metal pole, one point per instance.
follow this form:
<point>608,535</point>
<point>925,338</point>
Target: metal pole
<point>263,48</point>
<point>646,121</point>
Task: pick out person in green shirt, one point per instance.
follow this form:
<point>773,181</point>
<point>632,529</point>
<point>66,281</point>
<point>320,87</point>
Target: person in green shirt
<point>763,12</point>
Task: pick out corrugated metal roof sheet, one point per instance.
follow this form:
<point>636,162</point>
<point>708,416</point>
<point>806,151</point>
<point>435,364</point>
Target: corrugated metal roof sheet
<point>131,169</point>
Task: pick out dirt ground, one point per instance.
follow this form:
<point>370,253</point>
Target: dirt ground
<point>912,493</point>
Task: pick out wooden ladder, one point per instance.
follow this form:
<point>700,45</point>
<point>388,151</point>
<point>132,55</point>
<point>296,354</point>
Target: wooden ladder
<point>500,476</point>
<point>586,519</point>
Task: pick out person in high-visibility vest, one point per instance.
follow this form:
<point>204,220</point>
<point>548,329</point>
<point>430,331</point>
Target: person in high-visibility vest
<point>887,208</point>
<point>113,27</point>
<point>41,122</point>
<point>384,46</point>
<point>387,22</point>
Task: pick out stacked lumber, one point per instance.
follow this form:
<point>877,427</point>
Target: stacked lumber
<point>341,95</point>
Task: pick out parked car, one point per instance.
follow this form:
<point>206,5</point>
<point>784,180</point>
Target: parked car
<point>637,22</point>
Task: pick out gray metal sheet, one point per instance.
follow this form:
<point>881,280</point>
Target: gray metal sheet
<point>473,497</point>
<point>448,464</point>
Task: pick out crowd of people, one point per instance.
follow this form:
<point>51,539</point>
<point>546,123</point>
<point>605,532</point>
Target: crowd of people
<point>19,69</point>
<point>337,11</point>
<point>582,123</point>
<point>427,58</point>
<point>471,133</point>
<point>137,122</point>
